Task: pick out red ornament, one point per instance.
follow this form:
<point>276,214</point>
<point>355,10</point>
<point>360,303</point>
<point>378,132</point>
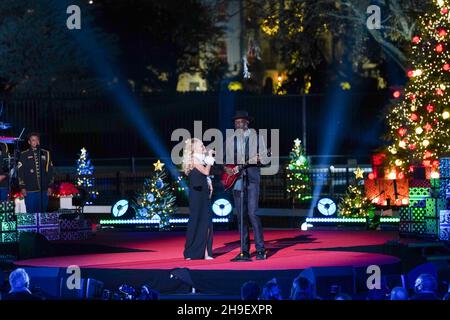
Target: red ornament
<point>410,74</point>
<point>411,169</point>
<point>446,67</point>
<point>444,11</point>
<point>397,93</point>
<point>412,97</point>
<point>439,48</point>
<point>412,146</point>
<point>428,127</point>
<point>414,117</point>
<point>416,39</point>
<point>402,132</point>
<point>442,32</point>
<point>430,108</point>
<point>439,92</point>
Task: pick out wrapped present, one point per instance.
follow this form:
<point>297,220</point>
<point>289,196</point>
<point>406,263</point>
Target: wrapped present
<point>8,226</point>
<point>49,219</point>
<point>8,237</point>
<point>46,223</point>
<point>382,190</point>
<point>444,225</point>
<point>7,216</point>
<point>27,219</point>
<point>419,192</point>
<point>418,228</point>
<point>444,168</point>
<point>419,183</point>
<point>405,214</point>
<point>405,227</point>
<point>75,235</point>
<point>431,226</point>
<point>418,214</point>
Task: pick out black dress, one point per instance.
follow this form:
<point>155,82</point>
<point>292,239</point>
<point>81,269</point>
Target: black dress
<point>199,229</point>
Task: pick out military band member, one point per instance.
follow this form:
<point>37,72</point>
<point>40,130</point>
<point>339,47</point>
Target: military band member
<point>4,176</point>
<point>35,180</point>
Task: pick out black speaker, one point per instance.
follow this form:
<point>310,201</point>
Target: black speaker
<point>329,281</point>
<point>34,245</point>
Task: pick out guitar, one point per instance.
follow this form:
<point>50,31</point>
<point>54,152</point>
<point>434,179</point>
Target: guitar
<point>232,172</point>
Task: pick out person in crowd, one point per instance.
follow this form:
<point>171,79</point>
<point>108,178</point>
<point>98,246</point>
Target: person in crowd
<point>399,293</point>
<point>250,291</point>
<point>19,282</point>
<point>343,296</point>
<point>271,291</point>
<point>303,289</point>
<point>425,288</point>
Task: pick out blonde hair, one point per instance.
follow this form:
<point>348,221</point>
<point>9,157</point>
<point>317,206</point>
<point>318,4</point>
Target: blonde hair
<point>188,154</point>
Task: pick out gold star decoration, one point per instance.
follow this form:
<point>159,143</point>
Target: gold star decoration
<point>158,165</point>
<point>297,142</point>
<point>359,173</point>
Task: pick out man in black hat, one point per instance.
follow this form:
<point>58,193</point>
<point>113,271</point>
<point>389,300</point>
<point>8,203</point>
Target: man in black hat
<point>35,175</point>
<point>244,146</point>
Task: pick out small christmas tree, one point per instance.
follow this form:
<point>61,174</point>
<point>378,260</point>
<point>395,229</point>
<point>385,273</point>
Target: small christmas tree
<point>355,204</point>
<point>156,198</point>
<point>85,176</point>
<point>297,173</point>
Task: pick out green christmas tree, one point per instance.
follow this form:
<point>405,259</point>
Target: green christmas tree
<point>85,176</point>
<point>156,199</point>
<point>297,174</point>
<point>355,204</point>
<point>419,123</point>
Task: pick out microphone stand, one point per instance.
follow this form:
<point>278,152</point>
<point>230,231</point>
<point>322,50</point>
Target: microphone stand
<point>243,193</point>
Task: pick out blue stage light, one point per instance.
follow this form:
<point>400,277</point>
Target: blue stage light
<point>326,206</point>
<point>222,207</point>
<point>120,208</point>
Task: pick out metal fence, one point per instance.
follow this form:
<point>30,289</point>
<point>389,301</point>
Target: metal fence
<point>68,122</point>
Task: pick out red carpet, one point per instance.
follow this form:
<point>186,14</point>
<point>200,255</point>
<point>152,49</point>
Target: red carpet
<point>288,250</point>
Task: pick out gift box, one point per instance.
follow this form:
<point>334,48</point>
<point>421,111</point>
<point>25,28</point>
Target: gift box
<point>444,225</point>
<point>46,223</point>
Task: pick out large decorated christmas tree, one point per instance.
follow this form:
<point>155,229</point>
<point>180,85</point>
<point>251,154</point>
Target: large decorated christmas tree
<point>419,124</point>
<point>355,204</point>
<point>297,174</point>
<point>156,198</point>
<point>85,176</point>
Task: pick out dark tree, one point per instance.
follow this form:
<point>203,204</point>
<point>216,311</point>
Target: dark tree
<point>162,39</point>
<point>39,53</point>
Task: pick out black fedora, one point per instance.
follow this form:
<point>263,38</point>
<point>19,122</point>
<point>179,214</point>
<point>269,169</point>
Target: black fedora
<point>242,114</point>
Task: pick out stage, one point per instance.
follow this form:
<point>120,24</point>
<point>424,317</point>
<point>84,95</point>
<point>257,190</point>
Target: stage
<point>136,258</point>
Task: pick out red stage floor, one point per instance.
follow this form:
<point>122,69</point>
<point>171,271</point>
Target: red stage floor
<point>288,250</point>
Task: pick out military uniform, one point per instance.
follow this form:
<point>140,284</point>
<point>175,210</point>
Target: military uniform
<point>31,175</point>
<point>4,171</point>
